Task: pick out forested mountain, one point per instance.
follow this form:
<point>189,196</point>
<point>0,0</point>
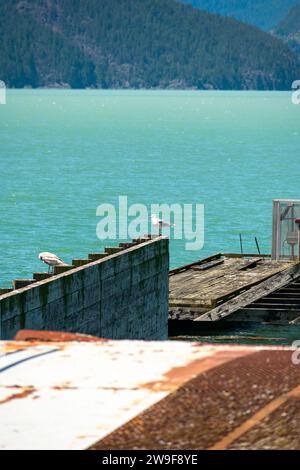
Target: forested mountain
<point>289,28</point>
<point>264,14</point>
<point>136,43</point>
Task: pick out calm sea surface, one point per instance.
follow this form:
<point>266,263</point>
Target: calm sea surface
<point>63,153</point>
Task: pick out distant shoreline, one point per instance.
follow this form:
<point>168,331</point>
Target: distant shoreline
<point>287,90</point>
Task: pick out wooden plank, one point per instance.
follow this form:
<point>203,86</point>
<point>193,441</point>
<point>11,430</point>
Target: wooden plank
<point>296,321</point>
<point>205,267</point>
<point>97,256</point>
<point>245,255</point>
<point>41,276</point>
<point>277,306</point>
<point>183,303</point>
<point>20,283</point>
<point>251,264</point>
<point>199,262</point>
<point>245,285</point>
<point>222,280</point>
<point>264,288</point>
<point>246,280</point>
<point>269,299</point>
<point>201,290</point>
<point>80,262</point>
<point>181,283</point>
<point>232,284</point>
<point>5,291</point>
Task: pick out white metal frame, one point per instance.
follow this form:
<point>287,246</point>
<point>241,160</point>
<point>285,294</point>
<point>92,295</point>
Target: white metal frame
<point>276,231</point>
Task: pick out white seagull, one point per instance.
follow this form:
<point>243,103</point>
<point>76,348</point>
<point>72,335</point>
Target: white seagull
<point>160,223</point>
<point>51,260</point>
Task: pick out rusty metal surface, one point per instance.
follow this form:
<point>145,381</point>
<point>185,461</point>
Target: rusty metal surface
<point>140,395</point>
<point>84,391</point>
<point>54,336</point>
<point>217,403</point>
<point>280,430</point>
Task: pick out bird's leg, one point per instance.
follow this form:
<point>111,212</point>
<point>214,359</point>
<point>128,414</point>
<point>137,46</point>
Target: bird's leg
<point>49,268</point>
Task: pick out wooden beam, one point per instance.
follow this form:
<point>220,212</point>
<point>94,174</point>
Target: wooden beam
<point>111,250</point>
<point>245,255</point>
<point>41,276</point>
<point>20,283</point>
<point>5,291</point>
<point>97,256</point>
<point>255,293</point>
<point>80,262</point>
<point>296,321</point>
<point>209,265</point>
<point>62,269</point>
<point>196,263</point>
<point>244,286</point>
<point>251,264</point>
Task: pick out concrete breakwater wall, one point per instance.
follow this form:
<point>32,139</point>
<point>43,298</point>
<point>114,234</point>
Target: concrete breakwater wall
<point>120,296</point>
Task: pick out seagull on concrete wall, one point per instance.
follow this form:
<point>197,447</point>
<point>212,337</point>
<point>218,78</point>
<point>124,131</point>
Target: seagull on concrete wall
<point>51,260</point>
<point>156,222</point>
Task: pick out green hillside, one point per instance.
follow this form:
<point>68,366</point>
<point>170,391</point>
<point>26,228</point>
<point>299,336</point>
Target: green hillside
<point>289,28</point>
<point>136,44</point>
<point>264,14</point>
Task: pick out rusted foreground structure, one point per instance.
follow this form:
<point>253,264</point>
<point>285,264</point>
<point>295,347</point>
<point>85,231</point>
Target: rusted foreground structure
<point>231,287</point>
<point>62,391</point>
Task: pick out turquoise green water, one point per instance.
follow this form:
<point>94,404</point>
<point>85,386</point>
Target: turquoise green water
<point>253,334</point>
<point>65,152</point>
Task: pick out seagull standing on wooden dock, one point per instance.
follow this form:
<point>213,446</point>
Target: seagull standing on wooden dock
<point>160,223</point>
<point>51,260</point>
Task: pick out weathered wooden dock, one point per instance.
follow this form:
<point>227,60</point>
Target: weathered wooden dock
<point>217,287</point>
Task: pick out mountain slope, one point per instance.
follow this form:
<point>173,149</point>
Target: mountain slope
<point>264,14</point>
<point>136,43</point>
<point>289,28</point>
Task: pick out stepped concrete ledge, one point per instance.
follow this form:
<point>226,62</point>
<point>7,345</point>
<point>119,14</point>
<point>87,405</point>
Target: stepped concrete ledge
<point>123,295</point>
